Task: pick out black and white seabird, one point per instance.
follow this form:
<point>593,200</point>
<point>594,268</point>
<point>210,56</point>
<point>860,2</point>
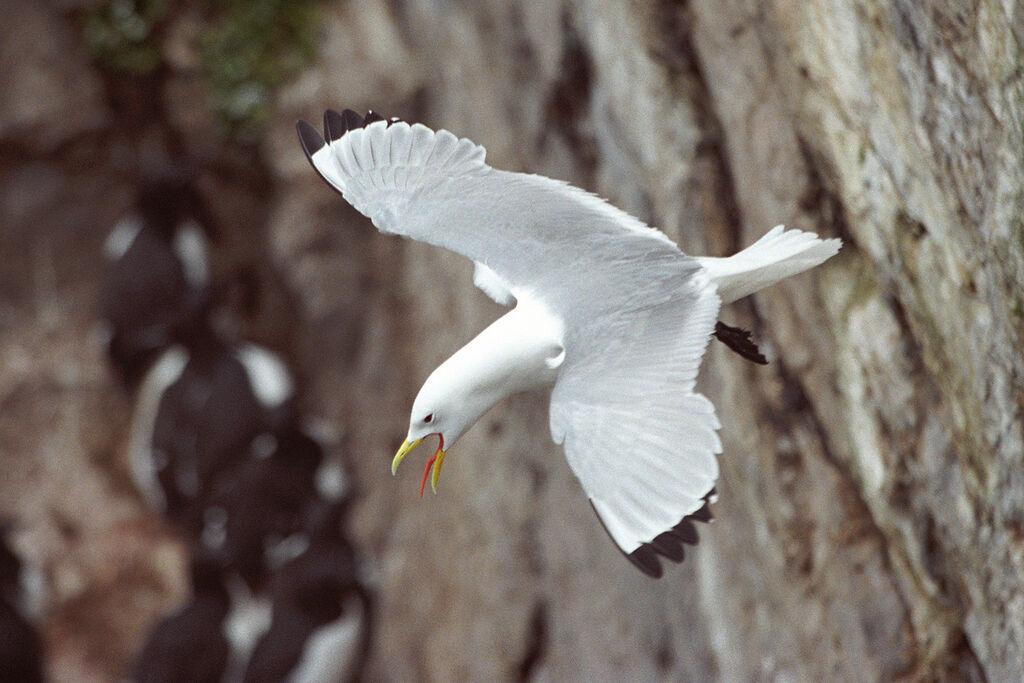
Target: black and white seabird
<point>190,644</point>
<point>198,410</point>
<point>157,275</point>
<point>322,611</point>
<point>254,512</point>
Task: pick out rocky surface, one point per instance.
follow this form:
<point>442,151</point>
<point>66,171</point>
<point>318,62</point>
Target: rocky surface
<point>869,525</point>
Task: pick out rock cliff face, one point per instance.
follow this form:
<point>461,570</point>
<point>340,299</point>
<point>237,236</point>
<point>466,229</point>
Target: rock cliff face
<point>871,516</point>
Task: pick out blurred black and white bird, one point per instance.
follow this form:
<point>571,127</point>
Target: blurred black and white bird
<point>197,413</point>
<point>21,652</point>
<point>157,274</point>
<point>322,611</point>
<point>254,514</point>
<point>607,313</point>
<point>190,645</point>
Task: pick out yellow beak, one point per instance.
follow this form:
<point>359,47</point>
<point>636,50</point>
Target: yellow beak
<point>436,459</point>
<point>402,452</point>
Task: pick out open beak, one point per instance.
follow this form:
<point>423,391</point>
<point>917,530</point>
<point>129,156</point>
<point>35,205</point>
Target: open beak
<point>436,459</point>
<point>402,452</point>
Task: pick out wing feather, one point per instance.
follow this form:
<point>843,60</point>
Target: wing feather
<point>492,285</point>
<point>638,436</point>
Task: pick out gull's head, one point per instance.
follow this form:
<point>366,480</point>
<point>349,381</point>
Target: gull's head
<point>443,408</point>
<point>517,351</point>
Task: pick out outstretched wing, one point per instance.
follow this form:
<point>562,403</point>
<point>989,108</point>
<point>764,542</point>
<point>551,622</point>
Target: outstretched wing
<point>637,312</point>
<point>636,433</point>
<point>543,237</point>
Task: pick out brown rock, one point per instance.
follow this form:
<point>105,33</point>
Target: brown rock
<point>50,93</point>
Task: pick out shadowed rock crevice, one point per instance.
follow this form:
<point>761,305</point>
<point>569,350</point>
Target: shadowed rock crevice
<point>536,644</point>
<point>820,199</point>
<point>567,101</point>
<point>672,46</point>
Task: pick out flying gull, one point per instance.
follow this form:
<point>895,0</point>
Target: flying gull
<point>605,310</point>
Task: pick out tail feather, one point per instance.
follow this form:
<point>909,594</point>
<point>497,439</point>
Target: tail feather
<point>774,257</point>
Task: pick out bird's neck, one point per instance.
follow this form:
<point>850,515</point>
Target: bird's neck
<point>519,351</point>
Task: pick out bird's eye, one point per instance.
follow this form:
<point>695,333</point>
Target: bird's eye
<point>429,418</point>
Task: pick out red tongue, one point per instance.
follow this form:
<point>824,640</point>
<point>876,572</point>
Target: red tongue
<point>426,471</point>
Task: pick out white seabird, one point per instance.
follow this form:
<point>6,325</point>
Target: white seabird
<point>607,311</point>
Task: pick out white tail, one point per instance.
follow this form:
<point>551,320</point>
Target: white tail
<point>771,259</point>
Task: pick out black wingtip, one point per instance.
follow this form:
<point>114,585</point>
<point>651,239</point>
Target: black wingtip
<point>703,515</point>
<point>645,558</point>
<point>685,531</point>
<point>352,120</point>
<point>739,340</point>
<point>311,144</point>
<point>310,139</point>
<point>668,544</point>
<point>334,125</point>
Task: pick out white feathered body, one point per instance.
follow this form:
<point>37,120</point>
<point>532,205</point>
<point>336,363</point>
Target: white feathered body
<point>607,310</point>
